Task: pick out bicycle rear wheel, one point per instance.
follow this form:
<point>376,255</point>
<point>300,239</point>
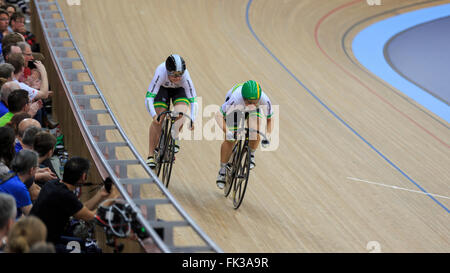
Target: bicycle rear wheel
<point>230,174</point>
<point>241,177</point>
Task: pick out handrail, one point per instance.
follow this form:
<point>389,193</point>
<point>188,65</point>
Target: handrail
<point>96,136</point>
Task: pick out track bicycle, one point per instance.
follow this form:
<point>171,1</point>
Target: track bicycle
<point>238,168</point>
<point>165,151</point>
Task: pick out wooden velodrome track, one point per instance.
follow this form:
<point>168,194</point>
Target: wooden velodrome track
<point>308,194</point>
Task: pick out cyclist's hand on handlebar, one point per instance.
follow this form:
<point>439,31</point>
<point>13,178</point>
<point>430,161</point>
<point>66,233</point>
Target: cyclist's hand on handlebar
<point>230,136</point>
<point>155,119</point>
<point>266,142</point>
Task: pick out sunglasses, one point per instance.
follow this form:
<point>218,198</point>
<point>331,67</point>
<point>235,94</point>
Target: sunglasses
<point>255,102</point>
<point>176,73</point>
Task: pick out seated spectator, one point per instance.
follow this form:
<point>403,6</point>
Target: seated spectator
<point>44,174</point>
<point>6,74</point>
<point>9,49</point>
<point>16,120</point>
<point>22,4</point>
<point>17,23</point>
<point>7,152</point>
<point>23,125</point>
<point>57,201</point>
<point>18,61</point>
<point>44,144</point>
<point>42,247</point>
<point>3,104</point>
<point>9,8</point>
<point>4,22</point>
<point>8,212</point>
<point>25,49</point>
<point>23,166</point>
<point>34,81</point>
<point>18,101</point>
<point>25,233</point>
<point>12,38</point>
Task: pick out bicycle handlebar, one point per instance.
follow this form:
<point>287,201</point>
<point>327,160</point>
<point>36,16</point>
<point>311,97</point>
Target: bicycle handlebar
<point>264,142</point>
<point>173,115</point>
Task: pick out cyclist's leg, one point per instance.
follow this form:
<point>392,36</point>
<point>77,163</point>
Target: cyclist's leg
<point>181,104</point>
<point>155,132</point>
<point>226,149</point>
<point>161,104</point>
<point>232,122</point>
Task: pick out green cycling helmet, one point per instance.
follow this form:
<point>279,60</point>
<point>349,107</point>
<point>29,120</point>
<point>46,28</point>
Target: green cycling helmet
<point>251,90</point>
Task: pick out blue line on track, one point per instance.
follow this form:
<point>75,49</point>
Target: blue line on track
<point>368,47</point>
<point>333,113</point>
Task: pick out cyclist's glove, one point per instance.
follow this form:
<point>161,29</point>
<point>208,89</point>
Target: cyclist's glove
<point>230,136</point>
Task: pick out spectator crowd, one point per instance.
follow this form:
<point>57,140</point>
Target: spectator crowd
<point>39,204</point>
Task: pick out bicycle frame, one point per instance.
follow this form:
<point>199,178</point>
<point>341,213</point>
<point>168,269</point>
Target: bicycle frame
<point>164,155</point>
<point>235,169</point>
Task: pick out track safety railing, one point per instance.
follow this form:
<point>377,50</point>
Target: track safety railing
<point>129,173</point>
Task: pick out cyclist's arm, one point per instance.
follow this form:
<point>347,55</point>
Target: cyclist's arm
<point>153,89</point>
<point>191,94</point>
<point>149,99</point>
<point>268,112</point>
<point>269,126</point>
<point>220,119</point>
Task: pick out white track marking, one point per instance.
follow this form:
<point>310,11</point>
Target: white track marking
<point>395,187</point>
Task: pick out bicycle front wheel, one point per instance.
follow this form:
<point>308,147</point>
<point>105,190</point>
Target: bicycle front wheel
<point>161,148</point>
<point>242,174</point>
<point>168,162</point>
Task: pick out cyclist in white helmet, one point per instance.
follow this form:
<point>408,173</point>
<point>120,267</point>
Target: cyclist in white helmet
<point>244,96</point>
<point>171,82</point>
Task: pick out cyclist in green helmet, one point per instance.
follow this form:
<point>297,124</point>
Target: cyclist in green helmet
<point>244,96</point>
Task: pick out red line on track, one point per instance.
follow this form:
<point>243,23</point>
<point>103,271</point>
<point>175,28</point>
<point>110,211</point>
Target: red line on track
<point>316,37</point>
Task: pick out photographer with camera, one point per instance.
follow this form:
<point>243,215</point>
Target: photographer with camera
<point>57,202</point>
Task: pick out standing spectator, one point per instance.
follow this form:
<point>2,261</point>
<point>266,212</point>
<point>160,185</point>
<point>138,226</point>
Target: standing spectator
<point>7,151</point>
<point>24,166</point>
<point>25,233</point>
<point>57,201</point>
<point>8,212</point>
